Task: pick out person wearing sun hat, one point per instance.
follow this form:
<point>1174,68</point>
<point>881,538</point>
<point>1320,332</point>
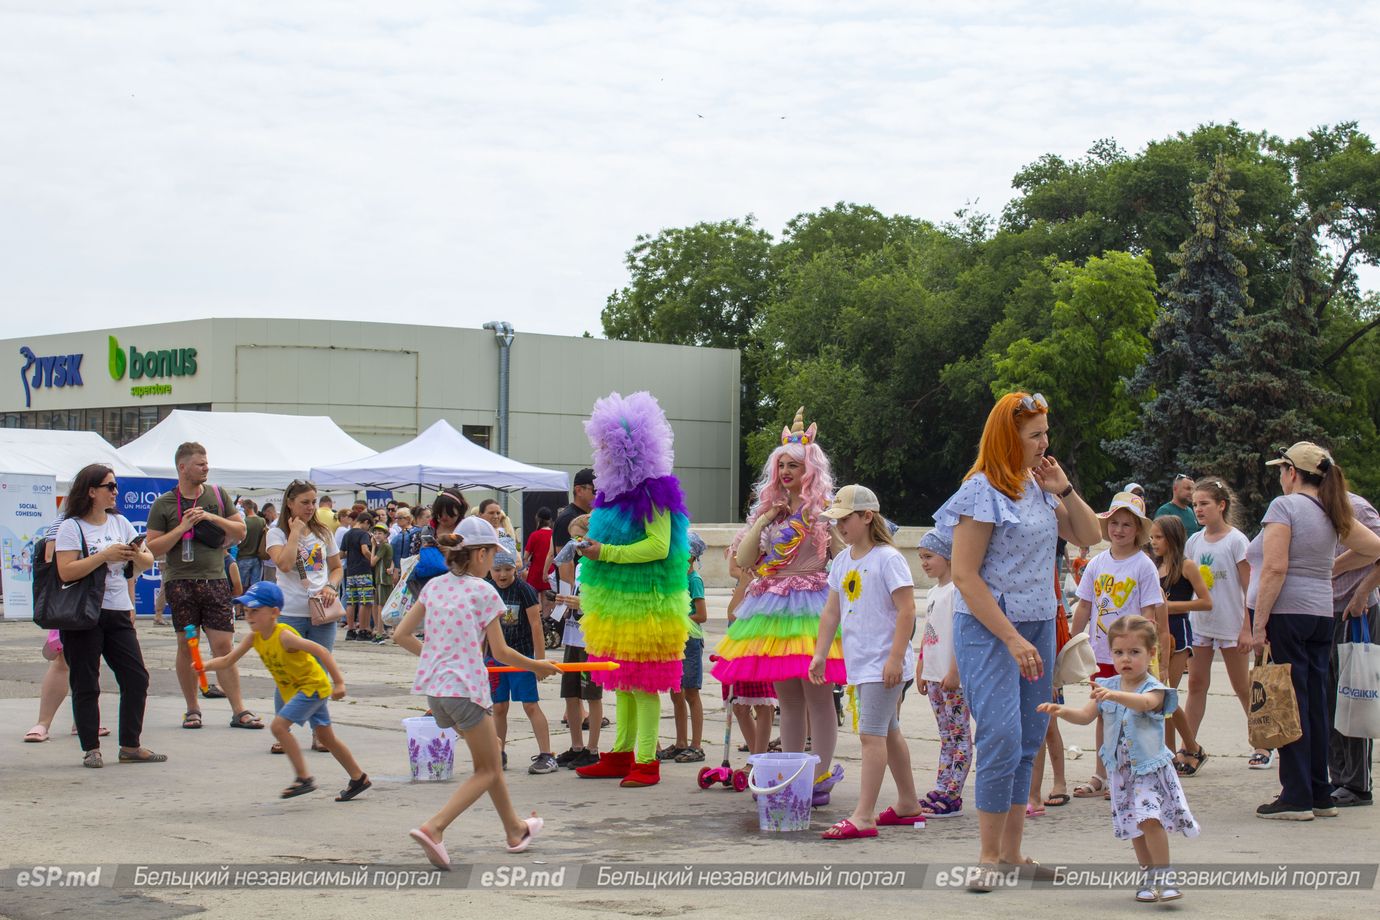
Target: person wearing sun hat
<point>1119,582</point>
<point>1291,593</point>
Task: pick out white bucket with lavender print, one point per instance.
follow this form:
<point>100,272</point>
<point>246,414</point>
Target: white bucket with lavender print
<point>430,749</point>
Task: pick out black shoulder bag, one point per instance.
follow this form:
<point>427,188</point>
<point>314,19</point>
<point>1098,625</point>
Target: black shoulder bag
<point>70,605</point>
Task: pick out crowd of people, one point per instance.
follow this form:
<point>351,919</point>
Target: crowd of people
<point>823,600</point>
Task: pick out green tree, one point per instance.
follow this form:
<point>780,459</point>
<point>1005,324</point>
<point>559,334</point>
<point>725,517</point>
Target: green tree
<point>1102,315</point>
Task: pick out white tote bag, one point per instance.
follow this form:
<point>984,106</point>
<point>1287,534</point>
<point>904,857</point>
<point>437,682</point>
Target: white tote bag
<point>1358,684</point>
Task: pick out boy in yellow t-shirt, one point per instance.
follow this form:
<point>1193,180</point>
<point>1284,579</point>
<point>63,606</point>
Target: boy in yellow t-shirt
<point>303,687</point>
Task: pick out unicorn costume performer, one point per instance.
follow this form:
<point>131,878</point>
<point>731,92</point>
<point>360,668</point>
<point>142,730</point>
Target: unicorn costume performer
<point>787,548</point>
<point>633,588</point>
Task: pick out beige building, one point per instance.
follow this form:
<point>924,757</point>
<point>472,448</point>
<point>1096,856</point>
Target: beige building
<point>383,383</point>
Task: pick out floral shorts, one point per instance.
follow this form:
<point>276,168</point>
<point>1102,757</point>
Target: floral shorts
<point>201,602</point>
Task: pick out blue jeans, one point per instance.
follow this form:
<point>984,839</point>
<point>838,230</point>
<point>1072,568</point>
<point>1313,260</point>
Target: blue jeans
<point>251,571</point>
<point>1009,729</point>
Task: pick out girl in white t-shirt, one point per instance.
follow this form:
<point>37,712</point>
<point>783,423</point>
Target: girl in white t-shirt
<point>1219,550</point>
<point>461,611</point>
<point>1119,582</point>
<point>872,601</point>
<point>939,682</point>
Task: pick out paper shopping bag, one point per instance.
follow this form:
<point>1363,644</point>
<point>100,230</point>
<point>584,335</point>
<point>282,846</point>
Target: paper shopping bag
<point>1273,721</point>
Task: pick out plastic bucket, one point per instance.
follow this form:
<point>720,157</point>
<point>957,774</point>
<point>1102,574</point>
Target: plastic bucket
<point>430,749</point>
<point>784,785</point>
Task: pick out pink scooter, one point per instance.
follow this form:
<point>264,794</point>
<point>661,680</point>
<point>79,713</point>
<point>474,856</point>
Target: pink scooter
<point>737,780</point>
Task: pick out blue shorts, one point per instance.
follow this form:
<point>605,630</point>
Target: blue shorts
<point>692,672</point>
<point>517,686</point>
<point>1182,632</point>
<point>302,708</point>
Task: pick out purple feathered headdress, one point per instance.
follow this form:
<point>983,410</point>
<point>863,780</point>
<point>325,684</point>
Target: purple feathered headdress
<point>631,440</point>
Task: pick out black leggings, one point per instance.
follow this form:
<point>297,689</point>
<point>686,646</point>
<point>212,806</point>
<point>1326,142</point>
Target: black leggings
<point>113,637</point>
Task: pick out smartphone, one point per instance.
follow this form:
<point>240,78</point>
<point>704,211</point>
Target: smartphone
<point>137,541</point>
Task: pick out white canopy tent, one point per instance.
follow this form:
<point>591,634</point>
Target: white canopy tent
<point>247,450</point>
<point>61,454</point>
<point>440,457</point>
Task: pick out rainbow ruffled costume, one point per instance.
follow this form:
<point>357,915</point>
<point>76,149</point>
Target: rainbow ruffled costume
<point>635,595</point>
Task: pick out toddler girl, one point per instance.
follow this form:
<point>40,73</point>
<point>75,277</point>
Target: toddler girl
<point>1147,801</point>
<point>939,682</point>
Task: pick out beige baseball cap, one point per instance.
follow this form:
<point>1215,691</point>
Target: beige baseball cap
<point>850,499</point>
<point>1305,455</point>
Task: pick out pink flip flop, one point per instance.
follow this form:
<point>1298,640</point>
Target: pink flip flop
<point>890,818</point>
<point>847,830</point>
<point>1034,811</point>
<point>534,826</point>
<point>36,734</point>
<point>435,853</point>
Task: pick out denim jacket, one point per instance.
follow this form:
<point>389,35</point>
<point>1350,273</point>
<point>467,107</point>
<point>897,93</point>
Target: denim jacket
<point>1145,729</point>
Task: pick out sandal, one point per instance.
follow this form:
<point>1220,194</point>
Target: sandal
<point>889,818</point>
<point>1261,760</point>
<point>318,746</point>
<point>847,830</point>
<point>355,788</point>
<point>941,805</point>
<point>245,719</point>
<point>1033,811</point>
<point>670,753</point>
<point>93,759</point>
<point>38,733</point>
<point>191,719</point>
<point>534,826</point>
<point>435,853</point>
<point>1056,799</point>
<point>143,755</point>
<point>690,755</point>
<point>774,746</point>
<point>213,693</point>
<point>1094,788</point>
<point>276,748</point>
<point>303,785</point>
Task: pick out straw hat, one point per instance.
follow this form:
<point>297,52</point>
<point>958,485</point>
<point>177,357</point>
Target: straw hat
<point>1127,501</point>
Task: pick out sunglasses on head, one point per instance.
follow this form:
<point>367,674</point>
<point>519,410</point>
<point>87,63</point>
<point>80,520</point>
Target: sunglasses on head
<point>1035,403</point>
<point>1183,476</point>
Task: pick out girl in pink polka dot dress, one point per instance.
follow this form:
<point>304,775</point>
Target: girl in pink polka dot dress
<point>460,612</point>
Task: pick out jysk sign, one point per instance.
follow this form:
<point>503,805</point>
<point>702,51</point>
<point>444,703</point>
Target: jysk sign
<point>52,371</point>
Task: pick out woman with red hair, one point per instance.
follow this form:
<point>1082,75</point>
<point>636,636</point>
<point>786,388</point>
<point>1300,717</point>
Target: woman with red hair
<point>1005,521</point>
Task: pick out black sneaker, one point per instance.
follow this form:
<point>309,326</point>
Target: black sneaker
<point>1326,809</point>
<point>586,758</point>
<point>351,634</point>
<point>563,759</point>
<point>1281,811</point>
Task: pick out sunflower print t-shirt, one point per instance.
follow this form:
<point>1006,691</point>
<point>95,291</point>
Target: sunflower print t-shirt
<point>867,614</point>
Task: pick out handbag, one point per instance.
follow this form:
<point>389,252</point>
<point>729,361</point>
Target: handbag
<point>1358,684</point>
<point>1273,720</point>
<point>69,605</point>
<point>320,612</point>
<point>207,533</point>
<point>1074,662</point>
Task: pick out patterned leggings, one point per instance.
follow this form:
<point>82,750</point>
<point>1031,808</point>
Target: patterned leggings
<point>955,738</point>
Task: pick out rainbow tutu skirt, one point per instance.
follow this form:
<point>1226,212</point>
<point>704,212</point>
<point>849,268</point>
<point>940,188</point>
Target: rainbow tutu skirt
<point>773,635</point>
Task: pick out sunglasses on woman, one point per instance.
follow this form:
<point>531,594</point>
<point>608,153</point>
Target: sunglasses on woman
<point>1035,403</point>
<point>112,486</point>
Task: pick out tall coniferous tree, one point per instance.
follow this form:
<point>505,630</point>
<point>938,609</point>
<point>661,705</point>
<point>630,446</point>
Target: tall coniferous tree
<point>1202,304</point>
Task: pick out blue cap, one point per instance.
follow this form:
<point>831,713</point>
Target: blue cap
<point>697,546</point>
<point>937,543</point>
<point>262,594</point>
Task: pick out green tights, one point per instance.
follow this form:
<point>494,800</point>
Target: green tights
<point>639,717</point>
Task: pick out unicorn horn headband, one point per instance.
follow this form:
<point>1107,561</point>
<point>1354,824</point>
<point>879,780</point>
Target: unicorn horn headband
<point>798,433</point>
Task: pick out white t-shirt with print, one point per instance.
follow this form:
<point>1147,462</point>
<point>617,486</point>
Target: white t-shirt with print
<point>458,608</point>
<point>867,612</point>
<point>314,554</point>
<point>1117,588</point>
<point>1218,563</point>
<point>937,646</point>
<point>116,529</point>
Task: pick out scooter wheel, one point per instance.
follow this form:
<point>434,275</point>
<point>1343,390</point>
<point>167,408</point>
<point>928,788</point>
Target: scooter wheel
<point>704,779</point>
<point>740,781</point>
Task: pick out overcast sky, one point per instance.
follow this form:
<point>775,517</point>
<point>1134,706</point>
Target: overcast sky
<point>444,162</point>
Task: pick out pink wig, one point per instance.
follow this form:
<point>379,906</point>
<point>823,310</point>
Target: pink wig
<point>816,485</point>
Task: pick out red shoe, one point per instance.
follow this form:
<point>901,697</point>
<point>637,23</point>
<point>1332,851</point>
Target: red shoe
<point>611,765</point>
<point>643,774</point>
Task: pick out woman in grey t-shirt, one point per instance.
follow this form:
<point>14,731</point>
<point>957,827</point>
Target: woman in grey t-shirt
<point>1291,591</point>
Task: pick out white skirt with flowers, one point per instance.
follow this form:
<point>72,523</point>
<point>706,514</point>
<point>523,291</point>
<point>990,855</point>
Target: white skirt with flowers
<point>1156,795</point>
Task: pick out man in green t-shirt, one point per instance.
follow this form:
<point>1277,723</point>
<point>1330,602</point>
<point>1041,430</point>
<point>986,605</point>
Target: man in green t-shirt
<point>194,577</point>
<point>1181,505</point>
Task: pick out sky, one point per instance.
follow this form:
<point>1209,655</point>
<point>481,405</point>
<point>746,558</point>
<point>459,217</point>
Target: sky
<point>452,163</point>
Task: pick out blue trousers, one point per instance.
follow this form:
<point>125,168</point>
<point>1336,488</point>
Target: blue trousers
<point>1009,729</point>
<point>251,571</point>
<point>1305,643</point>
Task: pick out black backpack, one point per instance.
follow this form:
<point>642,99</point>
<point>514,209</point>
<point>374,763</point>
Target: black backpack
<point>71,605</point>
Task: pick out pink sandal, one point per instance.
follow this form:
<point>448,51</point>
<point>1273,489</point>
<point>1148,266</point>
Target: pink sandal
<point>890,818</point>
<point>847,830</point>
<point>534,826</point>
<point>435,853</point>
<point>36,734</point>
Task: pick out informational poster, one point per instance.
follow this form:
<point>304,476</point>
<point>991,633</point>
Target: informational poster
<point>377,498</point>
<point>137,495</point>
<point>26,509</point>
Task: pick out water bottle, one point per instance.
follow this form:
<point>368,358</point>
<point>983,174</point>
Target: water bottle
<point>188,553</point>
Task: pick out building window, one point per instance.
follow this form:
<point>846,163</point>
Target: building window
<point>479,434</point>
<point>119,426</point>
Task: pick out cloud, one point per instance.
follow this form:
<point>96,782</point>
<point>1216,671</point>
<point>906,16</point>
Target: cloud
<point>458,163</point>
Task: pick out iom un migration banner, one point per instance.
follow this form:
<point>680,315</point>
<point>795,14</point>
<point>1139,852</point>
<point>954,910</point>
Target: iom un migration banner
<point>26,510</point>
<point>137,495</point>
